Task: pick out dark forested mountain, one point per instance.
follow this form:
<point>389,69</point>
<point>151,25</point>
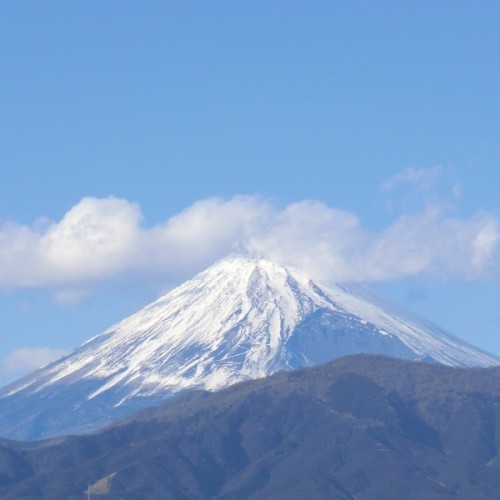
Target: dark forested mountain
<point>243,318</point>
<point>361,427</point>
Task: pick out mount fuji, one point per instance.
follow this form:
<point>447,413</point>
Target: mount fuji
<point>242,318</point>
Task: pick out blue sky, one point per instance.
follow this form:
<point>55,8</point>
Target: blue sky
<point>140,141</point>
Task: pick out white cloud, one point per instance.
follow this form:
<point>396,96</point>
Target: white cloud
<point>103,239</point>
<point>311,236</point>
<point>432,243</point>
<point>202,233</point>
<point>27,359</point>
<point>485,244</point>
<point>96,238</point>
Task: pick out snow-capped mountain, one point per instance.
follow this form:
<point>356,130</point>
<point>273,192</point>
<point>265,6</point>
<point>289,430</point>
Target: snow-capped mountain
<point>242,318</point>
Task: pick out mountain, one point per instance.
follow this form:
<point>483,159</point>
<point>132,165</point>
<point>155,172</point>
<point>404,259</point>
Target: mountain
<point>242,318</point>
<point>364,427</point>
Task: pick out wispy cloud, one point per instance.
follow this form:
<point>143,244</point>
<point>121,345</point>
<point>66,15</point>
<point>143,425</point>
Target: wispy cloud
<point>416,188</point>
<point>424,178</point>
<point>103,239</point>
<point>27,359</point>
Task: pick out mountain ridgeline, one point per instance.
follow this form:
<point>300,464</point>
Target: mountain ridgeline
<point>361,427</point>
<point>241,319</point>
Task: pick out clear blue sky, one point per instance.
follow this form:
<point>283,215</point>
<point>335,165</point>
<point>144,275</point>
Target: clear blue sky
<point>379,109</point>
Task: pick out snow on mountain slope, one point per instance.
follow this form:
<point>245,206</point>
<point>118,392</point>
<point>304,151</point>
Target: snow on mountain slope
<point>241,318</point>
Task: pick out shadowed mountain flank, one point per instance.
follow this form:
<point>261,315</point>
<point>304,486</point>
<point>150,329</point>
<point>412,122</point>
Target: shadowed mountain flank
<point>363,427</point>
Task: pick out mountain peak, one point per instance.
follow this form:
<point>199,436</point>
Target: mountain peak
<point>242,318</point>
<point>245,265</point>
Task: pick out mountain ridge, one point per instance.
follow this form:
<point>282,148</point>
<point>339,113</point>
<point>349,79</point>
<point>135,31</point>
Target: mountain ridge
<point>371,427</point>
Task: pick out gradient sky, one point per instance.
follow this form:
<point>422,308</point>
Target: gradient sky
<point>140,141</point>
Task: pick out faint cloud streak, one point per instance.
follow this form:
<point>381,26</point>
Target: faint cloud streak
<point>425,178</point>
<point>415,189</point>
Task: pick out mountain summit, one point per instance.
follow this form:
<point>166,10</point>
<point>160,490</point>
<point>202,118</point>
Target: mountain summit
<point>240,319</point>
